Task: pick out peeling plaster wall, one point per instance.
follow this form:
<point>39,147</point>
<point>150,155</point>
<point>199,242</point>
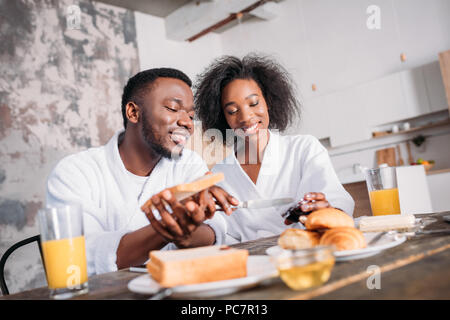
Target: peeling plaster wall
<point>60,92</point>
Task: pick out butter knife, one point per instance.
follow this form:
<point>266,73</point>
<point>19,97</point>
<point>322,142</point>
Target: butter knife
<point>376,238</point>
<point>161,294</point>
<point>417,233</point>
<point>436,231</point>
<point>260,203</point>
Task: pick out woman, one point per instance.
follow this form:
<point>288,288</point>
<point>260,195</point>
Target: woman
<point>254,98</point>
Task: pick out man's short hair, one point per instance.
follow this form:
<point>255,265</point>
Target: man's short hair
<point>137,86</point>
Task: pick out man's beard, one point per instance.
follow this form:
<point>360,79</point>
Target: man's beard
<point>155,144</point>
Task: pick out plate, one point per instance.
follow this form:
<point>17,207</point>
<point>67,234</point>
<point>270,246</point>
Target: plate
<point>386,242</point>
<point>259,268</point>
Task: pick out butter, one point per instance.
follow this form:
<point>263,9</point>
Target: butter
<point>386,223</point>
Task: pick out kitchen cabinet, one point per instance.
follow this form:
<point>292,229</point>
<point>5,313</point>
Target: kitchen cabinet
<point>385,101</point>
<point>317,119</point>
<point>404,95</point>
<point>439,184</point>
<point>348,117</point>
<point>415,93</point>
<point>358,54</point>
<point>435,87</point>
<point>314,117</point>
<point>444,62</point>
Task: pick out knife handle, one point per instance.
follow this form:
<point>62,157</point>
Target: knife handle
<point>219,208</point>
<point>443,231</point>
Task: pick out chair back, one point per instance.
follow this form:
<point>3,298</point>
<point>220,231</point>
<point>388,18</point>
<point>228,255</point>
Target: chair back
<point>8,252</point>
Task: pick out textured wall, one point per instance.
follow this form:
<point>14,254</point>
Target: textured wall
<point>60,91</point>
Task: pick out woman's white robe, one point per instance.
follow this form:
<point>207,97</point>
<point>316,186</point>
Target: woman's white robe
<point>291,167</point>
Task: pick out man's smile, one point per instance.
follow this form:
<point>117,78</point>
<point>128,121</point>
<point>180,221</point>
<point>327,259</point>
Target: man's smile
<point>179,136</point>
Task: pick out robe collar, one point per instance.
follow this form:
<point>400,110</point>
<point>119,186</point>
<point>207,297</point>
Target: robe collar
<point>269,165</point>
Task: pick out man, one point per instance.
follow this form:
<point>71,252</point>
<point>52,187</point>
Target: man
<point>113,181</point>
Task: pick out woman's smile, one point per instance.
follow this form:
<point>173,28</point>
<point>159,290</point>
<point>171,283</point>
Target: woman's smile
<point>248,129</point>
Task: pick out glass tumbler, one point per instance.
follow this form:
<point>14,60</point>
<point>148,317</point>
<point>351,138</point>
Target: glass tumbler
<point>63,246</point>
<point>383,190</point>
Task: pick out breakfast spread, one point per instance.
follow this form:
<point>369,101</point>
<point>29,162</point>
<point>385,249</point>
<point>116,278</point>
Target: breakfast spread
<point>329,226</point>
<point>197,265</point>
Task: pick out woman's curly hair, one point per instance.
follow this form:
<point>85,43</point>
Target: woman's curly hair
<point>272,78</point>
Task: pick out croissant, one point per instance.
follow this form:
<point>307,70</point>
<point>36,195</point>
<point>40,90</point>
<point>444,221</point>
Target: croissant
<point>328,218</point>
<point>344,238</point>
<point>298,239</point>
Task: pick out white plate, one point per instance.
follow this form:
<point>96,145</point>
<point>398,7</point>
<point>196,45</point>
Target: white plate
<point>259,268</point>
<point>386,242</point>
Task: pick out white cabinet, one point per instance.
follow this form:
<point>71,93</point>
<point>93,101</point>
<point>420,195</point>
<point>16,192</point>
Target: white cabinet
<point>415,93</point>
<point>435,87</point>
<point>385,100</point>
<point>404,95</point>
<point>348,117</point>
<point>341,116</point>
<point>439,184</point>
<point>314,117</point>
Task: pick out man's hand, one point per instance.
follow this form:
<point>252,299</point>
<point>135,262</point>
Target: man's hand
<point>179,220</point>
<point>312,201</point>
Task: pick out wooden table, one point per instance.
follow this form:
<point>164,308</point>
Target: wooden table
<point>416,269</point>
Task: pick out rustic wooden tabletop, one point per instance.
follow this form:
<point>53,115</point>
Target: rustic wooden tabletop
<point>416,269</point>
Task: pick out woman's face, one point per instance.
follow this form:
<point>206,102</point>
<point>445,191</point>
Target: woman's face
<point>244,107</point>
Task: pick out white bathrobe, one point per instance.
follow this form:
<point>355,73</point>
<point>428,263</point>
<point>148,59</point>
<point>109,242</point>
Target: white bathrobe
<point>98,180</point>
<point>291,167</point>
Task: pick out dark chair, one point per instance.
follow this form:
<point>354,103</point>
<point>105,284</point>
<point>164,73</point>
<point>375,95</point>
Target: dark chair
<point>8,252</point>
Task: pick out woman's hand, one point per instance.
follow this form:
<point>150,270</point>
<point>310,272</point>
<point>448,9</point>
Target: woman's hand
<point>312,201</point>
<point>216,195</point>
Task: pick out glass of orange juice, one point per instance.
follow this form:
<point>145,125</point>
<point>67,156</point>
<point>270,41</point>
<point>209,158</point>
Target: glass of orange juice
<point>383,190</point>
<point>63,247</point>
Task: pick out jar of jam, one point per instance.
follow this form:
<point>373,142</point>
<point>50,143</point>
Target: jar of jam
<point>293,213</point>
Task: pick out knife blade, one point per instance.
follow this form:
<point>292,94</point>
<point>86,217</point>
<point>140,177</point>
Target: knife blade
<point>377,238</point>
<point>260,203</point>
<point>436,231</point>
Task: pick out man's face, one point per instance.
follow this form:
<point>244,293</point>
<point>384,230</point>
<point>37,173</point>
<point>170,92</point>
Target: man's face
<point>167,114</point>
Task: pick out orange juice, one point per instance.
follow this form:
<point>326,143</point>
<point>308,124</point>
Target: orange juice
<point>65,262</point>
<point>384,202</point>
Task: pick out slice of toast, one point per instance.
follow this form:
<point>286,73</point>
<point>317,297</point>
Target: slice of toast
<point>197,265</point>
<point>185,190</point>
